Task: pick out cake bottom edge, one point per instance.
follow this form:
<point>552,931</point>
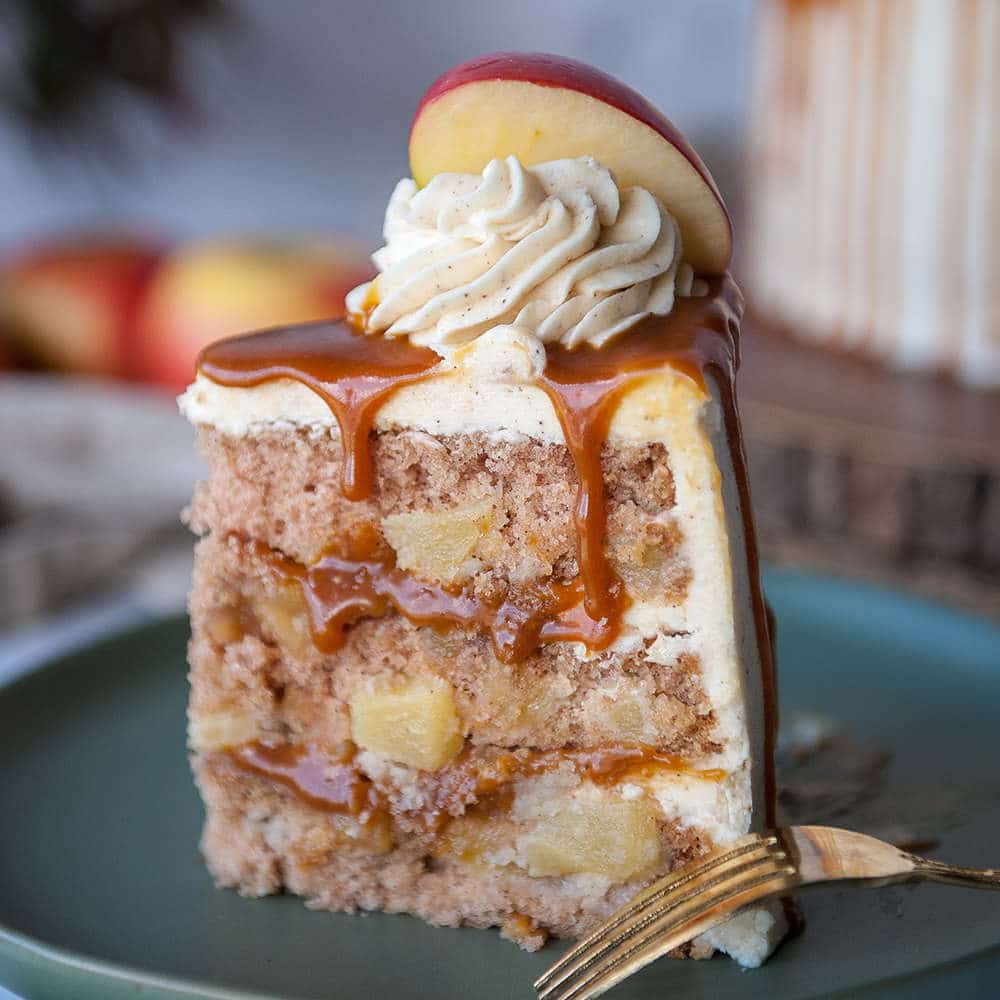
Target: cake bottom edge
<point>260,840</point>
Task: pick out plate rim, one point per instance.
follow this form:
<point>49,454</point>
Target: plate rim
<point>26,947</point>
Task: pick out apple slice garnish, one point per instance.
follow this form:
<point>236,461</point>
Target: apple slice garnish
<point>541,107</point>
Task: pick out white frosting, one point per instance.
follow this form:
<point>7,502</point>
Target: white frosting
<point>556,250</point>
<point>750,935</point>
<point>487,386</point>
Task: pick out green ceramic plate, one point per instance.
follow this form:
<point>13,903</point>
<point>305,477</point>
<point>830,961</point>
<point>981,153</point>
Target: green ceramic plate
<point>102,894</point>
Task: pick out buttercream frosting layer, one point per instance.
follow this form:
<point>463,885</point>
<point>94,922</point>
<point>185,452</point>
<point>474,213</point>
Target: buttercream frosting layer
<point>556,250</point>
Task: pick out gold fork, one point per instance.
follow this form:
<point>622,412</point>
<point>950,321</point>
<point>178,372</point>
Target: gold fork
<point>695,898</point>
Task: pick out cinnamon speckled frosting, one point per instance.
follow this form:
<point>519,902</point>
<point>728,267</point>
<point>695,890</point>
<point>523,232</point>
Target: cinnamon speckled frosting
<point>557,250</point>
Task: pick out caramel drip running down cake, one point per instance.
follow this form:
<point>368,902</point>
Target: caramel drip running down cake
<point>477,627</point>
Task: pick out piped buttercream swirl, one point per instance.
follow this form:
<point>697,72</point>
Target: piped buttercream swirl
<point>555,249</point>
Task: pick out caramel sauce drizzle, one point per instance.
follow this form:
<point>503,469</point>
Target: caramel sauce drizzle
<point>339,590</point>
<point>467,780</point>
<point>355,373</point>
<point>323,778</point>
<point>585,386</point>
<point>352,373</point>
<point>331,780</point>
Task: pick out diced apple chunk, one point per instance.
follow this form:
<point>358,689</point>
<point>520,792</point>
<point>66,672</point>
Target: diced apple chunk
<point>415,723</point>
<point>440,545</point>
<point>627,719</point>
<point>476,840</point>
<point>224,626</point>
<point>219,730</point>
<point>375,836</point>
<point>283,614</point>
<point>648,563</point>
<point>604,835</point>
<point>510,703</point>
<point>372,837</point>
<point>316,845</point>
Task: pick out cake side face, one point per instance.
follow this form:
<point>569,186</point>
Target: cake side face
<point>662,711</point>
<point>477,631</point>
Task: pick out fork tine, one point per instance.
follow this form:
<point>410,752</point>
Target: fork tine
<point>740,852</point>
<point>680,898</point>
<point>670,932</point>
<point>675,903</point>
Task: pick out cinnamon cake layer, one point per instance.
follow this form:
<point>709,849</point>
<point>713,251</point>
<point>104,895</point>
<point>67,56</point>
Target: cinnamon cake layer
<point>253,654</point>
<point>263,838</point>
<point>508,506</point>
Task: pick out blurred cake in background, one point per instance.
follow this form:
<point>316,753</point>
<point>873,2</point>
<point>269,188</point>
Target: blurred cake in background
<point>875,206</point>
<point>872,267</point>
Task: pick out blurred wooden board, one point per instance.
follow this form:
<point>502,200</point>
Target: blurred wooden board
<point>93,475</point>
<point>890,476</point>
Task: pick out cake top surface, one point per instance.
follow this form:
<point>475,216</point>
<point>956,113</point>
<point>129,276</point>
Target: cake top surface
<point>508,249</point>
<point>353,376</point>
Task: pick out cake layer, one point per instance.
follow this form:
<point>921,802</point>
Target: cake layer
<point>256,671</point>
<point>261,837</point>
<point>281,487</point>
<point>515,869</point>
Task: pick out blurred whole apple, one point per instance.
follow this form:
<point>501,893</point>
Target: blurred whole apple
<point>72,305</point>
<point>209,291</point>
<point>127,309</point>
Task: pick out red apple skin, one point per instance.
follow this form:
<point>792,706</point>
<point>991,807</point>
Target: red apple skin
<point>210,291</point>
<point>70,305</point>
<point>547,70</point>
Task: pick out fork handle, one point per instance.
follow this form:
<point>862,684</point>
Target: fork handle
<point>938,871</point>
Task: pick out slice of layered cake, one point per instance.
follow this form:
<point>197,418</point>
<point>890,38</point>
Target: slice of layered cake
<point>478,631</point>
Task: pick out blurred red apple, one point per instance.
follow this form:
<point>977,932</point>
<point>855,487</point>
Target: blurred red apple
<point>541,107</point>
<point>70,305</point>
<point>214,290</point>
